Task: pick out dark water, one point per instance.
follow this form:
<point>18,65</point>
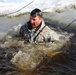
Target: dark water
<point>63,63</point>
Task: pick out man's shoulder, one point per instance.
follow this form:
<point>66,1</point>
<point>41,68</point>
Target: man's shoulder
<point>47,28</point>
<point>24,28</point>
<point>25,25</point>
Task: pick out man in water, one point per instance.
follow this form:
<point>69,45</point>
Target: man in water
<point>35,29</point>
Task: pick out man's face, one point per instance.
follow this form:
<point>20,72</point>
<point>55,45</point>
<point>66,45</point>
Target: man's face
<point>35,21</point>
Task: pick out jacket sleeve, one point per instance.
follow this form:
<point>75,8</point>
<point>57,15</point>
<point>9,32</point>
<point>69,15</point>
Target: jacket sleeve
<point>55,36</point>
<point>50,35</point>
<point>22,30</point>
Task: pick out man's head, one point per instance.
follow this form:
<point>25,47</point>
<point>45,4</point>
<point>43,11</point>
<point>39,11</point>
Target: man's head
<point>35,18</point>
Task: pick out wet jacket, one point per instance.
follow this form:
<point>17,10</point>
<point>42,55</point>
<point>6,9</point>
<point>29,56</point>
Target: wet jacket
<point>41,34</point>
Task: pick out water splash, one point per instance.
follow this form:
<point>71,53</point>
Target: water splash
<point>30,55</point>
